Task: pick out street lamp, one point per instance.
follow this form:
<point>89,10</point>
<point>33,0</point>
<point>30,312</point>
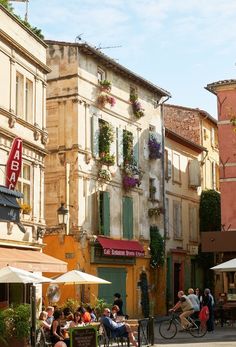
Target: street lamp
<point>62,214</point>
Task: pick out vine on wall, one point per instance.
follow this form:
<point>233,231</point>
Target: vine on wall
<point>209,211</point>
<point>156,247</point>
<point>144,294</point>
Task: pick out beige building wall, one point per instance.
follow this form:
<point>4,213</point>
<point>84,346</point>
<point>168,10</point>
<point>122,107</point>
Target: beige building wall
<point>23,114</point>
<point>73,163</point>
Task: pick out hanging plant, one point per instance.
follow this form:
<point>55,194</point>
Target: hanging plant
<point>154,148</point>
<point>104,174</point>
<point>105,85</point>
<point>104,99</point>
<point>132,176</point>
<point>136,105</point>
<point>157,249</point>
<point>156,211</point>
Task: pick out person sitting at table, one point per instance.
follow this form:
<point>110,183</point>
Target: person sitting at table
<point>43,321</point>
<point>117,329</point>
<point>77,321</point>
<point>85,315</point>
<point>114,310</point>
<point>92,314</point>
<point>56,333</point>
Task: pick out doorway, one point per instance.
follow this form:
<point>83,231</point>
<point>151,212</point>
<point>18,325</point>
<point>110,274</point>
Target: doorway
<point>177,280</point>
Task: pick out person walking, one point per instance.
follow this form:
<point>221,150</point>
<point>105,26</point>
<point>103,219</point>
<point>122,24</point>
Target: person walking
<point>208,301</point>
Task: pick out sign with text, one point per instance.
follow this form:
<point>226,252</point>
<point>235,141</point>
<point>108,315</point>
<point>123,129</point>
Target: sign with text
<point>122,252</point>
<point>83,337</point>
<point>14,162</point>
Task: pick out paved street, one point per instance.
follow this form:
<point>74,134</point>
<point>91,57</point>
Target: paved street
<point>222,337</point>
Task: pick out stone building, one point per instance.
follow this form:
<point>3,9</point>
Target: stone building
<point>192,165</point>
<point>100,118</point>
<point>23,114</point>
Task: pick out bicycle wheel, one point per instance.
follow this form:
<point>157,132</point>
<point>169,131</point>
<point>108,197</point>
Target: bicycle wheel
<point>168,329</point>
<point>199,329</point>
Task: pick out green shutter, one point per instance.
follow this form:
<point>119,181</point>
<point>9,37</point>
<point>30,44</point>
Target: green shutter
<point>127,218</point>
<point>104,213</point>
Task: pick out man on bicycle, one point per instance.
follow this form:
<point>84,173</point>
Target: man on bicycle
<point>186,306</point>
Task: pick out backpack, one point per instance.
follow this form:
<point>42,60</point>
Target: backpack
<point>204,314</point>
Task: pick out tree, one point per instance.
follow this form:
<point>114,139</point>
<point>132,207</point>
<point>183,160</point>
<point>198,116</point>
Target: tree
<point>209,211</point>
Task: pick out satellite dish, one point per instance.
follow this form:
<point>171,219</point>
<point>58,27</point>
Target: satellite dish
<point>53,293</point>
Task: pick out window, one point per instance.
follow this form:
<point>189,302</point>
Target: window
<point>101,74</point>
<point>28,100</point>
<point>19,94</point>
<point>133,91</point>
<point>128,146</point>
<point>24,183</point>
<point>212,137</point>
<point>177,219</point>
<point>193,223</point>
<point>104,213</point>
<point>127,217</point>
<point>194,171</point>
<point>176,168</point>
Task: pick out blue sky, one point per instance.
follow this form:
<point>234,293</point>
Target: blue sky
<point>180,45</point>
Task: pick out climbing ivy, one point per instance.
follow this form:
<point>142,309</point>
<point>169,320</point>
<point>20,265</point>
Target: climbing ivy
<point>209,211</point>
<point>144,294</point>
<point>156,247</point>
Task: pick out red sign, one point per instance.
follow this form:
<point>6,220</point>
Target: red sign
<point>14,163</point>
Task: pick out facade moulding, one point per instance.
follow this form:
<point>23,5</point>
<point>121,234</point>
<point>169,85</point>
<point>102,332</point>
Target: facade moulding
<point>183,197</point>
<point>22,51</point>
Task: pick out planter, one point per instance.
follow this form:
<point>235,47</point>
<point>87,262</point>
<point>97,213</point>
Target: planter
<point>14,342</point>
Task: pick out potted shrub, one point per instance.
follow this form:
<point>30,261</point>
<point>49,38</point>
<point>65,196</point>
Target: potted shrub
<point>105,85</point>
<point>15,325</point>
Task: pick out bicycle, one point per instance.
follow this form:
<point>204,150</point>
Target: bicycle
<point>168,328</point>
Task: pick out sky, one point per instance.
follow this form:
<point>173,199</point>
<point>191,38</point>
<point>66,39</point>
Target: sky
<point>179,45</point>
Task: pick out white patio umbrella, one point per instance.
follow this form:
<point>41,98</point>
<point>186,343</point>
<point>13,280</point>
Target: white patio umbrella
<point>227,266</point>
<point>11,274</point>
<point>79,277</point>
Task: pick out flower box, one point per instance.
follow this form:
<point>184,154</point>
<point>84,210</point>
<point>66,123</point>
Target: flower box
<point>105,85</point>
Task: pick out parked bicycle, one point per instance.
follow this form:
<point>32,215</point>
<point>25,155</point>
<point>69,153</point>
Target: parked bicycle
<point>168,328</point>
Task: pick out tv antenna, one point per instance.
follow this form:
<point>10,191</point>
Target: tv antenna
<point>78,37</point>
<point>106,47</point>
<point>26,7</point>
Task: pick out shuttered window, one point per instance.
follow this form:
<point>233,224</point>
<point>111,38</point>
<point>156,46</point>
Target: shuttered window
<point>177,219</point>
<point>127,217</point>
<point>104,213</point>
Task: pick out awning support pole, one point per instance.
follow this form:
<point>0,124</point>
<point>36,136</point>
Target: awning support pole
<point>33,314</point>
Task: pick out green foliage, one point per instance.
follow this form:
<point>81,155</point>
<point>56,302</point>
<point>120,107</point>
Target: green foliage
<point>156,247</point>
<point>99,307</point>
<point>72,304</point>
<point>128,147</point>
<point>209,211</point>
<point>15,322</point>
<point>7,5</point>
<point>106,137</point>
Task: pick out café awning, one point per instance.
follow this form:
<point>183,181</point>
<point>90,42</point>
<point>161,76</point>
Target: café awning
<point>9,207</point>
<point>30,260</point>
<point>125,248</point>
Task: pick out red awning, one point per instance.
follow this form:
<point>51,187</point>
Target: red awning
<point>121,248</point>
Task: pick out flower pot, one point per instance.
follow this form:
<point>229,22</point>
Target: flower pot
<point>14,342</point>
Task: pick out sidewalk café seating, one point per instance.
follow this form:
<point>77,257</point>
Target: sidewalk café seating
<point>41,340</point>
<point>105,337</point>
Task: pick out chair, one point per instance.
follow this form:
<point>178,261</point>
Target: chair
<point>41,340</point>
<point>107,338</point>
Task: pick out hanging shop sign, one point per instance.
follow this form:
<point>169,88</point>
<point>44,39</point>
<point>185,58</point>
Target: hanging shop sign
<point>14,162</point>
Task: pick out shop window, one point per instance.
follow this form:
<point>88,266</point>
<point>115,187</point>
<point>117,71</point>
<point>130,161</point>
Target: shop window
<point>104,213</point>
<point>127,212</point>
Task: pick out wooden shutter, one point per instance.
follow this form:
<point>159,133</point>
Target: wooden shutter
<point>95,136</point>
<point>127,217</point>
<point>194,173</point>
<point>104,213</point>
<point>119,146</point>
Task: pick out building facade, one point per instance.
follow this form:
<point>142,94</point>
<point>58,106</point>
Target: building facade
<point>191,165</point>
<point>23,114</point>
<point>100,119</point>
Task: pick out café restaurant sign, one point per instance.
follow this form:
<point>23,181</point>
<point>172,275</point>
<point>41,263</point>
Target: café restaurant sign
<point>14,162</point>
<point>122,252</point>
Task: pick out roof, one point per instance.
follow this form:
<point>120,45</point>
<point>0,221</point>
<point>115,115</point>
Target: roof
<point>112,64</point>
<point>183,141</point>
<point>212,86</point>
<point>11,192</point>
<point>203,112</point>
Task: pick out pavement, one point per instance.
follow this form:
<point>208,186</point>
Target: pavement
<point>221,337</point>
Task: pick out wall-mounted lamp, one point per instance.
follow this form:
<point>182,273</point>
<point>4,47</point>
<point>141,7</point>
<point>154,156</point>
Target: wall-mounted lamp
<point>62,214</point>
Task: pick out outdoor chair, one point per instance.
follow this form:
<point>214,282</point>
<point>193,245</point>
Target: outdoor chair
<point>41,340</point>
<point>106,338</point>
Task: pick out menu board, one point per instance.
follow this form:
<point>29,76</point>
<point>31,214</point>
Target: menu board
<point>83,337</point>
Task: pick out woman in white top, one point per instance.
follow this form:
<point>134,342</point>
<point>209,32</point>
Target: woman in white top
<point>194,300</point>
<point>77,321</point>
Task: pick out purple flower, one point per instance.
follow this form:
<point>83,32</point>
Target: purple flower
<point>154,148</point>
<point>129,182</point>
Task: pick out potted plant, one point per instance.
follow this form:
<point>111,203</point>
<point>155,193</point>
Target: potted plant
<point>25,208</point>
<point>136,105</point>
<point>104,174</point>
<point>107,159</point>
<point>155,211</point>
<point>104,99</point>
<point>15,325</point>
<point>105,85</point>
<point>154,148</point>
<point>152,191</point>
